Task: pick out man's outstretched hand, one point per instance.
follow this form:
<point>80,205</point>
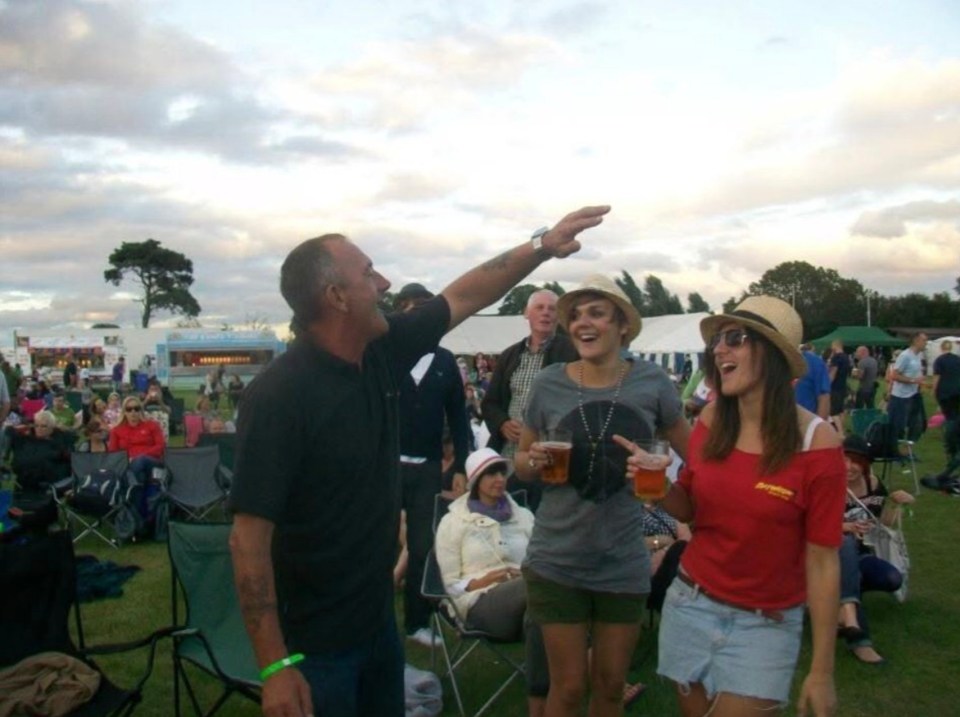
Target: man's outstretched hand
<point>561,241</point>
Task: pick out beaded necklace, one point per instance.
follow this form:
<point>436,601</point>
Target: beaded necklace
<point>595,442</point>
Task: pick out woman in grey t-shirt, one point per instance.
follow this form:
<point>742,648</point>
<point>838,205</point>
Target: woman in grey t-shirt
<point>587,568</point>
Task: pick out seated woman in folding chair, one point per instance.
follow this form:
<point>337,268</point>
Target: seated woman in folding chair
<point>860,569</point>
<point>113,411</point>
<point>587,570</point>
<point>41,453</point>
<point>143,441</point>
<point>93,436</point>
<point>480,544</point>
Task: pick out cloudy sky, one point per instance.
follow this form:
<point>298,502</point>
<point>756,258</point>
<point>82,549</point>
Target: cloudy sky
<point>727,136</point>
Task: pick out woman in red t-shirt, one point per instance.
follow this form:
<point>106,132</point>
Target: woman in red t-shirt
<point>764,488</point>
<point>142,440</point>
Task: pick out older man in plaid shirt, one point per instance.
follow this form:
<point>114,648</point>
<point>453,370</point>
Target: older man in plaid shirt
<point>506,400</point>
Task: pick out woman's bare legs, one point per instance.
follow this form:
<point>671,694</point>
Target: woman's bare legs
<point>566,646</point>
<point>694,703</point>
<point>613,645</point>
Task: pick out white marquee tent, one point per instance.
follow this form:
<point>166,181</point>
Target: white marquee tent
<point>934,349</point>
<point>662,337</point>
<point>485,334</point>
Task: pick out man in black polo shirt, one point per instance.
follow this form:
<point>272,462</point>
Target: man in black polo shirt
<point>316,493</point>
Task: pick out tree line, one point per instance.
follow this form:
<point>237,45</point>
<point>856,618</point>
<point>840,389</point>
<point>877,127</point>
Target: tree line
<point>823,298</point>
<point>652,300</point>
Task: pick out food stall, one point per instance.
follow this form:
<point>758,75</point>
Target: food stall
<point>187,356</point>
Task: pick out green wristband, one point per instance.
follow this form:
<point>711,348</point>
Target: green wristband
<point>280,665</point>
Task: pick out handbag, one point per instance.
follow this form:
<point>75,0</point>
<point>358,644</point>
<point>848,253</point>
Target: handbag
<point>888,543</point>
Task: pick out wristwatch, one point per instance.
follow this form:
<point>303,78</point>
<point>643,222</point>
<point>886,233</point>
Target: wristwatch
<point>536,239</point>
<point>532,463</point>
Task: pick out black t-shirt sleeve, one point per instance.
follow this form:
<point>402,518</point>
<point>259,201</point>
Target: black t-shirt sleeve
<point>415,333</point>
<point>269,452</point>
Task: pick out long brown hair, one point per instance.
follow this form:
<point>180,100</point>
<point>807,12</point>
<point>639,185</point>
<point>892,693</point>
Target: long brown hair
<point>778,422</point>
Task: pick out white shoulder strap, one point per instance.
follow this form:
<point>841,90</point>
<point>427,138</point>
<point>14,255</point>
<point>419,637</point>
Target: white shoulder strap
<point>811,429</point>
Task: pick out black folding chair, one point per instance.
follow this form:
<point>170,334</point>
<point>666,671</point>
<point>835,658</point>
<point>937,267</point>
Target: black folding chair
<point>226,443</point>
<point>196,482</point>
<point>38,575</point>
<point>885,450</point>
<point>114,523</point>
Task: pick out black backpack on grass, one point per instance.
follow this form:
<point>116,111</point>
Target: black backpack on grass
<point>882,441</point>
<point>98,492</point>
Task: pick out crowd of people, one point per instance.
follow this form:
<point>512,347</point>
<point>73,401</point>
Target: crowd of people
<point>364,420</point>
<point>758,530</point>
<point>44,423</point>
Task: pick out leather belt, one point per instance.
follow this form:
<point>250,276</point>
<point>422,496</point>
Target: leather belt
<point>413,460</point>
<point>775,615</point>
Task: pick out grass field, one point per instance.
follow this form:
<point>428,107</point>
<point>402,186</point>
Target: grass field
<point>920,638</point>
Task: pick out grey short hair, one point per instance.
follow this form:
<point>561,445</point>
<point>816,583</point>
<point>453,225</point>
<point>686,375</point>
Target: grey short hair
<point>306,273</point>
<point>539,292</point>
<point>44,418</point>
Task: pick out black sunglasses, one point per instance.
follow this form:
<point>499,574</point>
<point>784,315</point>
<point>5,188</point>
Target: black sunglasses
<point>732,338</point>
<point>132,409</point>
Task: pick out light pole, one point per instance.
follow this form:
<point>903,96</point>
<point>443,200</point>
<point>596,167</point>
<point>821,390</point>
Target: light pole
<point>868,292</point>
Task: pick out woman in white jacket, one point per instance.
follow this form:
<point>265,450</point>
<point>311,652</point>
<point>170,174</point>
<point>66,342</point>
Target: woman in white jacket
<point>480,544</point>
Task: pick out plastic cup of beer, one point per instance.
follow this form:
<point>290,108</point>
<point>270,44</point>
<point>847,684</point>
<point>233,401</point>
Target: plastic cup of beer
<point>558,444</point>
<point>650,477</point>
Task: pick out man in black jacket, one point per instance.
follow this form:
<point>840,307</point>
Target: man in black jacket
<point>431,392</point>
<point>506,400</point>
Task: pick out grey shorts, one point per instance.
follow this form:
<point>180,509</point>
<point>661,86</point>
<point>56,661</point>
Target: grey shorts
<point>726,649</point>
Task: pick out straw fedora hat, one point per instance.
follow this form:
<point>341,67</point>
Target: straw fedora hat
<point>770,317</point>
<point>607,288</point>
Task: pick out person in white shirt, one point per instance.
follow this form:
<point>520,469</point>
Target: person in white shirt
<point>907,379</point>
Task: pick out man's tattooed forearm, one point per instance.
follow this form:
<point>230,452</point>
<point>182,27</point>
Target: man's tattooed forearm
<point>256,600</point>
<point>498,263</point>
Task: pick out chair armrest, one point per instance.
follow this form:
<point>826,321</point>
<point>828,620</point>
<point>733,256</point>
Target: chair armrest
<point>224,477</point>
<point>152,640</point>
<point>61,486</point>
<point>119,647</point>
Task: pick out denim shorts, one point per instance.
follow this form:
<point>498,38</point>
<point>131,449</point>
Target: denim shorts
<point>726,649</point>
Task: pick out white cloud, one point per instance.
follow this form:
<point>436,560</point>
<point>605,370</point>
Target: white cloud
<point>892,222</point>
<point>448,137</point>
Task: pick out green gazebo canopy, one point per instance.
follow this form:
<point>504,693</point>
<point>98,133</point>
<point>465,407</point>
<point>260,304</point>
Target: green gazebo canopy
<point>853,336</point>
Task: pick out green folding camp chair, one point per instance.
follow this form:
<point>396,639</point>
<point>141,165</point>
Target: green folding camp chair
<point>212,638</point>
<point>861,418</point>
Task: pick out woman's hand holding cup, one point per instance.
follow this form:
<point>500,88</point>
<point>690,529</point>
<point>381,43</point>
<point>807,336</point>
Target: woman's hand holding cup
<point>646,466</point>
